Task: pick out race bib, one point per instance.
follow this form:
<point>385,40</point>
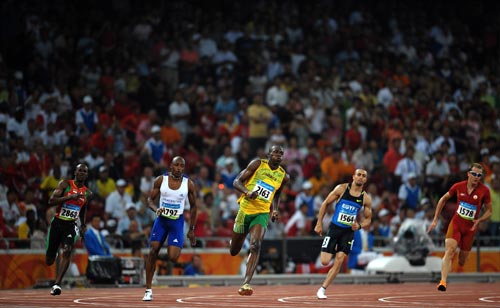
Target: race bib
<point>170,210</point>
<point>326,240</point>
<point>346,219</point>
<point>69,212</point>
<point>466,210</point>
<point>264,190</point>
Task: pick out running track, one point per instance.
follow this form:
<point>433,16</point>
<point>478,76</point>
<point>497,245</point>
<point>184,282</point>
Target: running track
<point>273,296</point>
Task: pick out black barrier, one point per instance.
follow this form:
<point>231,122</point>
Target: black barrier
<point>104,270</point>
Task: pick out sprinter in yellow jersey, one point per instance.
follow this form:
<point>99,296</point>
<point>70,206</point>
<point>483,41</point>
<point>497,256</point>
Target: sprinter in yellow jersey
<point>260,183</point>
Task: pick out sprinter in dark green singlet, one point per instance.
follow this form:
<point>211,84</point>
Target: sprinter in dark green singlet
<point>351,201</point>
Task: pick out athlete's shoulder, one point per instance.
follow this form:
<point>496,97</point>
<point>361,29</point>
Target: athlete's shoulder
<point>64,183</point>
<point>256,163</point>
<point>459,185</point>
<point>341,188</point>
<point>483,187</point>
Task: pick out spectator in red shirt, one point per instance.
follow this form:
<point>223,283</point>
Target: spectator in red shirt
<point>391,159</point>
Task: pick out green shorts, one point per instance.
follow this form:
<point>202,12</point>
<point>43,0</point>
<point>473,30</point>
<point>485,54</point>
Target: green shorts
<point>244,222</point>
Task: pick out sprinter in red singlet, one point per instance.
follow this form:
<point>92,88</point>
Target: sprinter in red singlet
<point>71,197</point>
<point>471,196</point>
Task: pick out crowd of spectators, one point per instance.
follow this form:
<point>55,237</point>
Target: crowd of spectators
<point>408,90</point>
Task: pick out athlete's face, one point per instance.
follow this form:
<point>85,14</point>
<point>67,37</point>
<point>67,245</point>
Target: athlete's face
<point>275,157</point>
<point>360,176</point>
<point>474,175</point>
<point>177,167</point>
<point>81,173</point>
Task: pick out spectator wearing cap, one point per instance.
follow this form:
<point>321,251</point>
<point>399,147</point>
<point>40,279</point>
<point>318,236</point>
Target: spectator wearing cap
<point>105,184</point>
<point>117,201</point>
<point>409,192</point>
<point>424,205</point>
<point>130,215</point>
<point>384,227</point>
<point>86,118</point>
<point>228,173</point>
<point>222,160</point>
<point>407,165</point>
<point>154,148</point>
<point>305,196</point>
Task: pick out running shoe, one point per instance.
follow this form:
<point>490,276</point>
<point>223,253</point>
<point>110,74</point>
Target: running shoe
<point>442,286</point>
<point>56,290</point>
<point>148,296</point>
<point>321,293</point>
<point>245,290</point>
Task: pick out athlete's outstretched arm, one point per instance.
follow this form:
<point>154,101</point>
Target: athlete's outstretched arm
<point>334,195</point>
<point>486,214</point>
<point>153,195</point>
<point>193,209</point>
<point>276,199</point>
<point>367,212</point>
<point>439,208</point>
<point>242,178</point>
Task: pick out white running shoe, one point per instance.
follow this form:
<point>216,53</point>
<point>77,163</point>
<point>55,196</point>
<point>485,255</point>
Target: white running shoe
<point>321,293</point>
<point>56,290</point>
<point>148,296</point>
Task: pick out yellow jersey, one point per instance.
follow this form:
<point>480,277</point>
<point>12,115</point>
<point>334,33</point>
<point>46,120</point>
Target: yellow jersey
<point>265,182</point>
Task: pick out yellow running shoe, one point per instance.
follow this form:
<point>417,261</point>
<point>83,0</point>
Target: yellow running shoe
<point>245,290</point>
<point>442,286</point>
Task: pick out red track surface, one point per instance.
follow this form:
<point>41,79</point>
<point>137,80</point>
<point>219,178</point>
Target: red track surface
<point>341,295</point>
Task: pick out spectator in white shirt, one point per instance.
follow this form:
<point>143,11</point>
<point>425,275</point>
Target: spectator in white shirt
<point>297,225</point>
<point>117,201</point>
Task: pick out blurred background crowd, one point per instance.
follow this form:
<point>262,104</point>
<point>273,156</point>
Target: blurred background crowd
<point>408,90</point>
